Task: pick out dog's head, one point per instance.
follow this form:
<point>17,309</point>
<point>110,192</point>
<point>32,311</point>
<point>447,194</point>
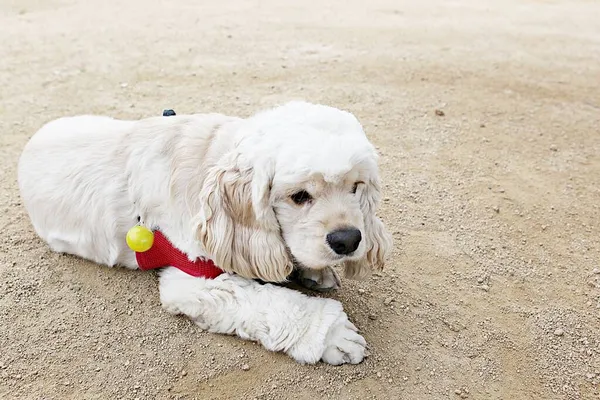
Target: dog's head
<point>299,189</point>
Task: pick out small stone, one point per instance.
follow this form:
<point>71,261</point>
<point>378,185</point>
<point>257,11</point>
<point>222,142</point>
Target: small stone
<point>388,301</point>
<point>458,391</point>
<point>559,332</point>
<point>596,271</point>
<point>18,376</point>
<point>245,367</point>
<point>124,85</point>
<point>480,279</point>
<point>439,113</point>
<point>372,317</point>
<point>485,288</point>
<point>379,374</point>
<point>590,375</point>
<point>496,209</point>
<point>553,147</point>
<point>183,373</point>
<point>361,291</point>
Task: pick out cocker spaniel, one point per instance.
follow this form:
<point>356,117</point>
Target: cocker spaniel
<point>290,189</point>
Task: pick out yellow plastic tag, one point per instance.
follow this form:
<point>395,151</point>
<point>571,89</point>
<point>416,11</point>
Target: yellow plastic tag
<point>140,239</point>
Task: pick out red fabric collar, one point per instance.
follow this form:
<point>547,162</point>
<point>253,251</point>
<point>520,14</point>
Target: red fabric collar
<point>164,254</point>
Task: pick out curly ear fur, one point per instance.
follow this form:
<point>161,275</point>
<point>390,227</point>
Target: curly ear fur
<point>231,200</point>
<point>378,239</point>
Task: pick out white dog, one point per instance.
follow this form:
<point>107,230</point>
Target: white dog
<point>291,188</point>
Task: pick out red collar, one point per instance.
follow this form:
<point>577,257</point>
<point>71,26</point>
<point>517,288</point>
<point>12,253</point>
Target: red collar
<point>164,254</point>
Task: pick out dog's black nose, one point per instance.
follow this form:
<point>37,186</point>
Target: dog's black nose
<point>344,241</point>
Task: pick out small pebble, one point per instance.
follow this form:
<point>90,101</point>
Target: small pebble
<point>245,367</point>
<point>388,301</point>
<point>596,271</point>
<point>485,288</point>
<point>439,113</point>
<point>559,332</point>
<point>379,374</point>
<point>183,373</point>
<point>124,85</point>
<point>553,147</point>
<point>480,279</point>
<point>372,317</point>
<point>361,291</point>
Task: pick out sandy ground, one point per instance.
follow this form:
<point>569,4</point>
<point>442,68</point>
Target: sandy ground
<point>493,289</point>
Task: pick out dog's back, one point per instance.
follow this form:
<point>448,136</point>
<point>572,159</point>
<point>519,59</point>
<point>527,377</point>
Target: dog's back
<point>75,177</point>
<point>70,158</point>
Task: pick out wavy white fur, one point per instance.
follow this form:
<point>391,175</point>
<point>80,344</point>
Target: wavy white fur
<point>223,188</point>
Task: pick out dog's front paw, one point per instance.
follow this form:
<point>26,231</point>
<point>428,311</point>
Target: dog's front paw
<point>322,280</point>
<point>343,344</point>
<point>327,335</point>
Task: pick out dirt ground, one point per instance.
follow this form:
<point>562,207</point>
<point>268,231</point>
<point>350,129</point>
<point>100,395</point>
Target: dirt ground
<point>487,116</point>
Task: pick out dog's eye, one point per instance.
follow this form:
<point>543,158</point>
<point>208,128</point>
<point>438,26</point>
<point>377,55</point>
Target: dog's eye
<point>301,197</point>
<point>355,187</point>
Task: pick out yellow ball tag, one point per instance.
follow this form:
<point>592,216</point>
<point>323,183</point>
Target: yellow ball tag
<point>140,239</point>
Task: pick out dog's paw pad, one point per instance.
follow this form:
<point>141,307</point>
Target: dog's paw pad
<point>323,280</point>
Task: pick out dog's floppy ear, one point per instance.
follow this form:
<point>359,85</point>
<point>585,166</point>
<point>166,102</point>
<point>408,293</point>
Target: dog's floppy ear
<point>378,239</point>
<point>237,225</point>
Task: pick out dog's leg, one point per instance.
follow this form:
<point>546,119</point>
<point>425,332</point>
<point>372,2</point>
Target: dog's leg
<point>322,280</point>
<point>308,329</point>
